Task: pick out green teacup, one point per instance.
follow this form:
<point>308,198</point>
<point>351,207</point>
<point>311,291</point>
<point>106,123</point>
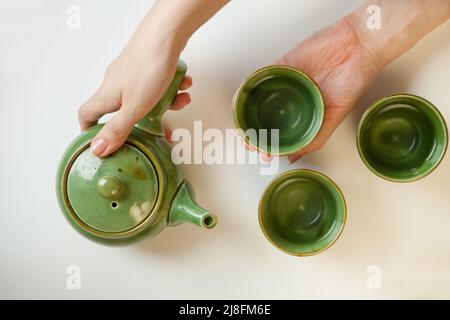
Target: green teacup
<point>283,98</point>
<point>302,212</point>
<point>402,138</point>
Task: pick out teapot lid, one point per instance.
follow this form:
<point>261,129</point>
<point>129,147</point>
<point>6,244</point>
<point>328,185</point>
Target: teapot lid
<point>112,194</point>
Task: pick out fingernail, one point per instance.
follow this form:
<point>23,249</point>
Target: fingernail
<point>98,146</point>
<point>293,160</point>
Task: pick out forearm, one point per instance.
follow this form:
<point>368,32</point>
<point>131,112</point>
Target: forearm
<point>403,24</point>
<point>174,21</point>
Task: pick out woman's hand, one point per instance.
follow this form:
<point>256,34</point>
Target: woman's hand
<point>342,67</point>
<point>137,79</point>
<point>132,85</point>
<point>345,58</point>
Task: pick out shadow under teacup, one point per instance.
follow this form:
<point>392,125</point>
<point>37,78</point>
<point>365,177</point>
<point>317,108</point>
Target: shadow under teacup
<point>278,98</point>
<point>302,212</point>
<point>402,138</point>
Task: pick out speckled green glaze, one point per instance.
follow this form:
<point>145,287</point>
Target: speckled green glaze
<point>132,194</point>
<point>302,212</point>
<point>113,194</point>
<point>402,138</point>
<point>283,98</point>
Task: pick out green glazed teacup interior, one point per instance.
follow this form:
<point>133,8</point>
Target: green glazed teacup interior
<point>302,212</point>
<point>283,98</point>
<point>402,138</point>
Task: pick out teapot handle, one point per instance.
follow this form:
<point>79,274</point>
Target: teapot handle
<point>151,123</point>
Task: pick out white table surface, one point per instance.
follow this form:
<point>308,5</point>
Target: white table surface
<point>47,71</point>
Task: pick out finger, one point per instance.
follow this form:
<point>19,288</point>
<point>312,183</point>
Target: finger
<point>114,133</point>
<point>186,83</point>
<point>103,101</point>
<point>248,146</point>
<point>265,157</point>
<point>244,143</point>
<point>168,134</point>
<point>182,100</point>
<point>331,122</point>
<point>315,145</point>
<point>296,156</point>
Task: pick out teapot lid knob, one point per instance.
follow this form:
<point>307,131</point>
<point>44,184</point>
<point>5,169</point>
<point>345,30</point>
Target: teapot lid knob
<point>110,187</point>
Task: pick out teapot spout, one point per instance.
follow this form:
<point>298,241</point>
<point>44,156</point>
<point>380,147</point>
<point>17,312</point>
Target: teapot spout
<point>184,209</point>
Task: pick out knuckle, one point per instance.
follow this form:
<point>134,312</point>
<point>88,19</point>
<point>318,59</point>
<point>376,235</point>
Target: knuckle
<point>111,73</point>
<point>82,112</point>
<point>111,69</point>
<point>139,114</point>
<point>114,129</point>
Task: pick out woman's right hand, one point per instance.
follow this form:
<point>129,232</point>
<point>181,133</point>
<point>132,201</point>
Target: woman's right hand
<point>132,85</point>
<point>136,80</point>
<point>346,57</point>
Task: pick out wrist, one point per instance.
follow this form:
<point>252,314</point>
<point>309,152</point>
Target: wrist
<point>402,25</point>
<point>379,42</point>
<point>157,32</point>
<point>170,31</point>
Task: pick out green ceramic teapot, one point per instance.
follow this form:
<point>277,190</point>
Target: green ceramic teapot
<point>135,192</point>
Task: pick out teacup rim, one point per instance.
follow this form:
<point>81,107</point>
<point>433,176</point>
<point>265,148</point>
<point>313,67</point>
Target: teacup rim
<point>376,104</point>
<point>344,213</point>
<point>261,70</point>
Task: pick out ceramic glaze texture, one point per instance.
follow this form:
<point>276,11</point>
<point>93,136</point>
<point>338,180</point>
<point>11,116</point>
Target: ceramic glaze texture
<point>113,194</point>
<point>302,212</point>
<point>135,192</point>
<point>283,98</point>
<point>402,138</point>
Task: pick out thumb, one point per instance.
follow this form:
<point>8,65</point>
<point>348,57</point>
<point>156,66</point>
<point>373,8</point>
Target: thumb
<point>114,133</point>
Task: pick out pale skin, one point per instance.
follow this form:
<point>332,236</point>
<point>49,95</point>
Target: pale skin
<point>344,59</point>
<point>137,78</point>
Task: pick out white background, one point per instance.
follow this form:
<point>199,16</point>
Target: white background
<point>47,71</point>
